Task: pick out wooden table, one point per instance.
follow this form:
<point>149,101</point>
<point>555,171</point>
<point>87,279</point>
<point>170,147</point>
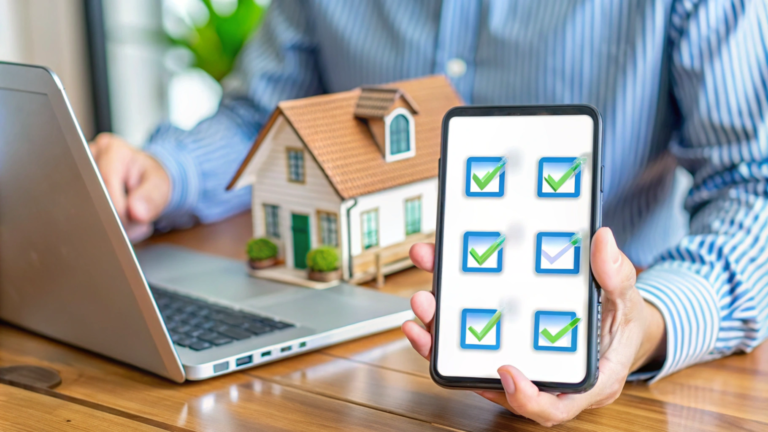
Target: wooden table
<point>375,383</point>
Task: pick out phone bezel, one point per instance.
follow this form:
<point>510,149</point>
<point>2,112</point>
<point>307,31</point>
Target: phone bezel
<point>590,377</point>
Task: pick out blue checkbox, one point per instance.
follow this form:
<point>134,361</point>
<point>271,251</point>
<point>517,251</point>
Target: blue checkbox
<point>485,176</point>
<point>555,322</point>
<point>558,252</point>
<point>483,252</point>
<point>478,319</point>
<point>559,177</point>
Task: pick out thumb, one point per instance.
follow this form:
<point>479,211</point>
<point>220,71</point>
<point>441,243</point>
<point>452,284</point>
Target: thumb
<point>145,203</point>
<point>614,272</point>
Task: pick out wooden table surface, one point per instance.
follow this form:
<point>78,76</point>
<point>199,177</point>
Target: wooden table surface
<point>375,383</point>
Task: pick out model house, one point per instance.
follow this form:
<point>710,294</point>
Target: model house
<point>356,170</point>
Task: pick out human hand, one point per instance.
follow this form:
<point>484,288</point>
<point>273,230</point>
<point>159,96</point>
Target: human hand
<point>633,334</point>
<point>137,184</point>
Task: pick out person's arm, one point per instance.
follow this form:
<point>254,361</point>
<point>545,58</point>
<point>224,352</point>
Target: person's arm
<point>278,63</point>
<point>712,288</point>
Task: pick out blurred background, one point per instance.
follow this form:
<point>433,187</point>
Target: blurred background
<point>127,65</point>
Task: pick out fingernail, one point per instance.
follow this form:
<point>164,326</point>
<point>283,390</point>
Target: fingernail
<point>615,253</point>
<point>506,380</point>
<point>139,209</point>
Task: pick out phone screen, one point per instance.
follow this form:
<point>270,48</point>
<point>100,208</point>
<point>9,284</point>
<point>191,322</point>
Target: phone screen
<point>516,227</point>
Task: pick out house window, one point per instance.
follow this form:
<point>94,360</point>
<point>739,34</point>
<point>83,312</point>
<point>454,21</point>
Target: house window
<point>413,216</point>
<point>370,227</point>
<point>329,228</point>
<point>272,220</point>
<point>399,135</point>
<point>296,165</point>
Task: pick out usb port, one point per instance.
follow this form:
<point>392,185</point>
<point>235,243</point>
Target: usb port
<point>244,360</point>
<point>303,345</point>
<point>285,349</point>
<point>266,354</point>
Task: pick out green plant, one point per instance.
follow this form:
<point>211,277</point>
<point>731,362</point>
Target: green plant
<point>261,249</point>
<point>215,43</point>
<point>323,259</point>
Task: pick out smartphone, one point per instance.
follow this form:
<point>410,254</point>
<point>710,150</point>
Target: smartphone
<point>519,201</point>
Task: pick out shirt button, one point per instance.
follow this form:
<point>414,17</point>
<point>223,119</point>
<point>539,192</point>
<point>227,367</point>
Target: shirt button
<point>456,68</point>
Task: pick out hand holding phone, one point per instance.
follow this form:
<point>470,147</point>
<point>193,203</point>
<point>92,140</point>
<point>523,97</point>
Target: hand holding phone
<point>518,265</point>
<point>629,322</point>
<point>519,201</point>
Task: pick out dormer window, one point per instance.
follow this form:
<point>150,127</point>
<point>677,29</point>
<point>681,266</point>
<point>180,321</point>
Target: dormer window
<point>389,114</point>
<point>399,135</point>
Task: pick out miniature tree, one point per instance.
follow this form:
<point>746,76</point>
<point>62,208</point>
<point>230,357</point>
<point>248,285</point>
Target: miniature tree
<point>323,264</point>
<point>261,252</point>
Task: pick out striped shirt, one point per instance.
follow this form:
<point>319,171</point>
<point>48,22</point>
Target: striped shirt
<point>679,83</point>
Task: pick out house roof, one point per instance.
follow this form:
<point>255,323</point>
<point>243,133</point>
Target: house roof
<point>344,147</point>
<point>375,102</point>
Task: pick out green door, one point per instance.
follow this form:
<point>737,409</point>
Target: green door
<point>300,228</point>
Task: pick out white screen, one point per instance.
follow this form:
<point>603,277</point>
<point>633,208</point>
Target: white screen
<point>536,214</point>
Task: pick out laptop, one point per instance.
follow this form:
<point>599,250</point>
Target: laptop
<point>68,271</point>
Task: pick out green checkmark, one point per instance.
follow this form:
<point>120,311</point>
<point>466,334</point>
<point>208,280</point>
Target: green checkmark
<point>481,259</point>
<point>557,184</point>
<point>563,331</point>
<point>491,324</point>
<point>482,183</point>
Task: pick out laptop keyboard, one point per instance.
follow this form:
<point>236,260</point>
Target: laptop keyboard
<point>200,325</point>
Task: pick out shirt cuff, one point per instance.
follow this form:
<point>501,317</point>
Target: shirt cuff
<point>183,173</point>
<point>691,315</point>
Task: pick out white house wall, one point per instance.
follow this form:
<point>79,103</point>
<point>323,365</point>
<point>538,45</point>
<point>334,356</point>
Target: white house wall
<point>391,206</point>
<point>272,187</point>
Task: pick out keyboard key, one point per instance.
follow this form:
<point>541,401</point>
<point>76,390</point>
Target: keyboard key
<point>233,332</point>
<point>233,320</point>
<point>257,329</point>
<point>214,338</point>
<point>208,324</point>
<point>195,322</point>
<point>184,341</point>
<point>195,332</point>
<point>183,328</point>
<point>190,308</point>
<point>175,334</point>
<point>199,345</point>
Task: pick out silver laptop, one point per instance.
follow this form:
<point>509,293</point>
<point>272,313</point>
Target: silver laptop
<point>67,269</point>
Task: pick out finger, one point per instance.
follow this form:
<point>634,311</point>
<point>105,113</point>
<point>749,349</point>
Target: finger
<point>94,148</point>
<point>147,200</point>
<point>419,338</point>
<point>612,269</point>
<point>134,173</point>
<point>423,305</point>
<point>497,397</point>
<point>112,167</point>
<point>549,409</point>
<point>423,256</point>
<point>527,400</point>
<point>138,232</point>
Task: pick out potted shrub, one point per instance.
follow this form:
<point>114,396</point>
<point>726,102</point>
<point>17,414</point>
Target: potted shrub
<point>323,264</point>
<point>261,253</point>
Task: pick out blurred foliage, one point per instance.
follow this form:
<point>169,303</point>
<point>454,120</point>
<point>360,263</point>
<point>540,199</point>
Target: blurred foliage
<point>216,44</point>
<point>261,249</point>
<point>323,259</point>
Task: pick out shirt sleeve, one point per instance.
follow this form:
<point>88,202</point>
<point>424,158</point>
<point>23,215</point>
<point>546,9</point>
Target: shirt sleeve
<point>712,288</point>
<point>278,63</point>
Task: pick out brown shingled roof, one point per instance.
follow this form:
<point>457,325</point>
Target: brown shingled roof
<point>375,102</point>
<point>343,145</point>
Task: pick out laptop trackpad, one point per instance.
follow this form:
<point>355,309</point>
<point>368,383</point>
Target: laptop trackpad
<point>320,309</point>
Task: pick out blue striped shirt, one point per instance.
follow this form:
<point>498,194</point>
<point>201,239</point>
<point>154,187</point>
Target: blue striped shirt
<point>679,82</point>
